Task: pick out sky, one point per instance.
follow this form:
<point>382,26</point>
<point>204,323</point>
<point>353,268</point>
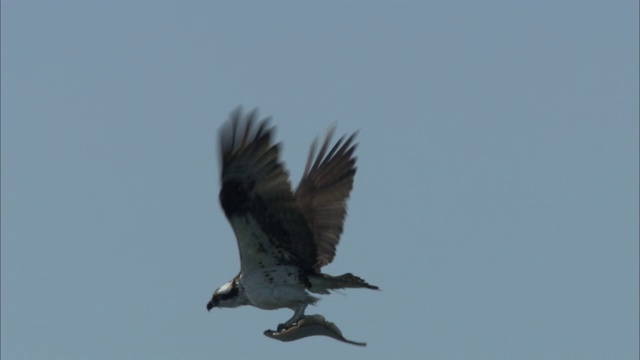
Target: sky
<point>495,203</point>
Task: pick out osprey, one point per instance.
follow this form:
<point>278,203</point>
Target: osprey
<point>284,238</point>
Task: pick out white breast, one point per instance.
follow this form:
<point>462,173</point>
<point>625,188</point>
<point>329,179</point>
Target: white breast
<point>275,288</point>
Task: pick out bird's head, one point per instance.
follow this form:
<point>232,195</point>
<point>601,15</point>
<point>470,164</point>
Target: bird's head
<point>229,295</point>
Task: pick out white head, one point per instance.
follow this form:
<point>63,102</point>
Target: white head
<point>229,295</point>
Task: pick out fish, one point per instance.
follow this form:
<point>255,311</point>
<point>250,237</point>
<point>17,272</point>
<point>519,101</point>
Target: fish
<point>311,325</point>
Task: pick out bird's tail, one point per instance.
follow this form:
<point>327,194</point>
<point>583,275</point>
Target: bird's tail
<point>322,283</point>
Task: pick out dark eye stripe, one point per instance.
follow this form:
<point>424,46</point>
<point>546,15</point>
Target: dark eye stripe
<point>231,294</point>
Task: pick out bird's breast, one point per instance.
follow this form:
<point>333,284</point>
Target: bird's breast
<point>275,288</point>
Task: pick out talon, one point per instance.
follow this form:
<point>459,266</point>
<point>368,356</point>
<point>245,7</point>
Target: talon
<point>281,327</point>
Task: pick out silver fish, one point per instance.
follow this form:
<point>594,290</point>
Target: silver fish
<point>310,325</point>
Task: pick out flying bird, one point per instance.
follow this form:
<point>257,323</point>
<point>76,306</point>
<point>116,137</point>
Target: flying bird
<point>284,237</point>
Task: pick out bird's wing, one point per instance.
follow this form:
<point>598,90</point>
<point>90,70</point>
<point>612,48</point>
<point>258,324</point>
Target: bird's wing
<point>323,192</point>
<point>257,199</point>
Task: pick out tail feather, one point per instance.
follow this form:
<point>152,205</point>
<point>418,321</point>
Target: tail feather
<point>322,283</point>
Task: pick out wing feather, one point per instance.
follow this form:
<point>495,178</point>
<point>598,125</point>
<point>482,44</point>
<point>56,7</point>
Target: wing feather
<point>256,188</point>
<point>323,193</point>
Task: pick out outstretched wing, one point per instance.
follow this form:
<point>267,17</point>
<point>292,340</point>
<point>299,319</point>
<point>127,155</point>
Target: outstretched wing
<point>257,199</point>
<point>323,192</point>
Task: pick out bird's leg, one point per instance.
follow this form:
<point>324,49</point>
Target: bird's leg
<point>297,316</point>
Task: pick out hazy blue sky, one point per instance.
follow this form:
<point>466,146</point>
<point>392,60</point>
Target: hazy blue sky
<point>496,200</point>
